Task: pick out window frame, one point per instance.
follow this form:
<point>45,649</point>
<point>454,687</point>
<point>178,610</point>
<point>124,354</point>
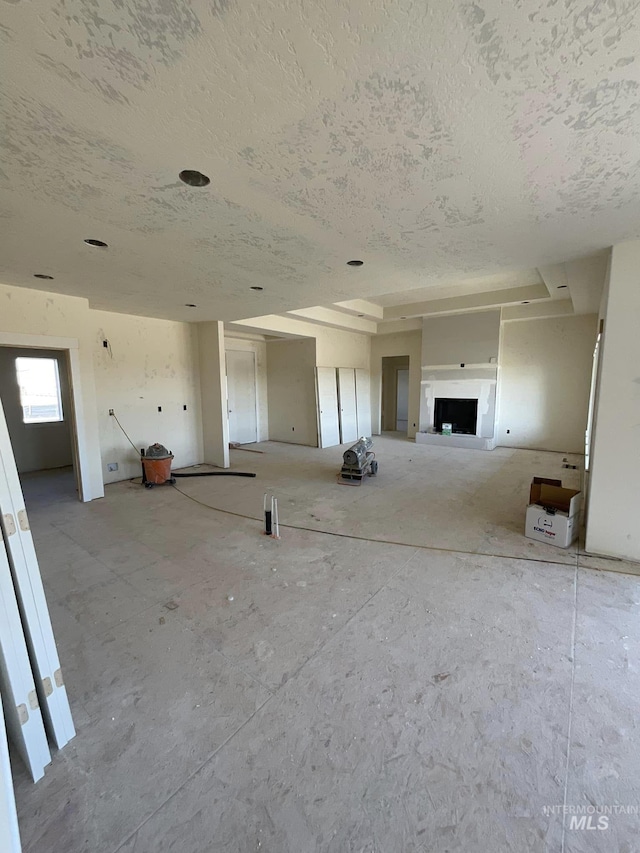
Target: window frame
<point>61,407</point>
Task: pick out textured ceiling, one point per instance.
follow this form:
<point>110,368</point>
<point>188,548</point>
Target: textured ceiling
<point>437,141</point>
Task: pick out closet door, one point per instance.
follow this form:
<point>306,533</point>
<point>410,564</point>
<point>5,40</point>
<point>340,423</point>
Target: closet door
<point>36,623</point>
<point>328,420</point>
<point>347,400</point>
<point>17,686</point>
<point>363,402</point>
<point>241,396</point>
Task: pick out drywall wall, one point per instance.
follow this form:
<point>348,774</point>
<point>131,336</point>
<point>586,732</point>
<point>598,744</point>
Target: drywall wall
<point>35,446</point>
<point>396,344</point>
<point>461,338</point>
<point>259,348</point>
<point>148,364</point>
<point>37,318</point>
<point>292,391</point>
<point>612,519</point>
<point>545,375</point>
<point>335,348</point>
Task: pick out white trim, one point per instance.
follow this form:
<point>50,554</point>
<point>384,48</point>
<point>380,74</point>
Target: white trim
<point>77,420</point>
<point>16,339</point>
<point>467,365</point>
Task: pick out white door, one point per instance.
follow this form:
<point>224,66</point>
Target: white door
<point>8,817</point>
<point>36,621</point>
<point>402,400</point>
<point>347,400</point>
<point>241,396</point>
<point>328,421</point>
<point>363,402</point>
<point>17,686</point>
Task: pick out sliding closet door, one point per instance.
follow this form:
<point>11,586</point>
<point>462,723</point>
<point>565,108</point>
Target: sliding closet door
<point>17,686</point>
<point>328,421</point>
<point>31,599</point>
<point>347,400</point>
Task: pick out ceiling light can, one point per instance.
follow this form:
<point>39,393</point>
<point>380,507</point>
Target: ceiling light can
<point>193,178</point>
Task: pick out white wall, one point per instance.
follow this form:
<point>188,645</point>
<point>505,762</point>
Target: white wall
<point>614,502</point>
<point>149,363</point>
<point>391,345</point>
<point>32,312</point>
<point>260,349</point>
<point>461,338</point>
<point>35,446</point>
<point>545,375</point>
<point>292,391</point>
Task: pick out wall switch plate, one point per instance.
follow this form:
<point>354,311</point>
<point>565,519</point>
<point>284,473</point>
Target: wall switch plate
<point>110,411</point>
<point>112,466</point>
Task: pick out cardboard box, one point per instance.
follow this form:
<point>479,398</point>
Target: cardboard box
<point>553,513</point>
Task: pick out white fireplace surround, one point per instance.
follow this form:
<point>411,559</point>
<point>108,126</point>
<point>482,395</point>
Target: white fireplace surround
<point>474,383</point>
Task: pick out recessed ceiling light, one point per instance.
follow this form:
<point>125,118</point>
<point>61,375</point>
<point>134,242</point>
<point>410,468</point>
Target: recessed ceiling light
<point>193,178</point>
<point>42,275</point>
<point>355,263</point>
<point>560,286</point>
<point>190,305</point>
<point>256,287</point>
<point>99,243</point>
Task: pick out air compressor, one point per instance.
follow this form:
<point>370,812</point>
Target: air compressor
<point>359,461</point>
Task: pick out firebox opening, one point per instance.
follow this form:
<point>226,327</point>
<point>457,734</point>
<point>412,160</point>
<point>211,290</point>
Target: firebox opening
<point>461,414</point>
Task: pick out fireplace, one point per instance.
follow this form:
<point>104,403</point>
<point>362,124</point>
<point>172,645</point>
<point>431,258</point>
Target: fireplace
<point>462,414</point>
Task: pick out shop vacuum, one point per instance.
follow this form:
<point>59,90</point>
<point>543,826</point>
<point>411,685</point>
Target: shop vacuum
<point>156,468</point>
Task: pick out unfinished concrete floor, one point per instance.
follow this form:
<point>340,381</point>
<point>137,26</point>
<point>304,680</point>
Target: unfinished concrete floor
<point>354,695</point>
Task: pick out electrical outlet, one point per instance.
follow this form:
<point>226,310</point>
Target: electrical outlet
<point>111,411</point>
<point>105,344</point>
<point>112,466</point>
<point>184,407</point>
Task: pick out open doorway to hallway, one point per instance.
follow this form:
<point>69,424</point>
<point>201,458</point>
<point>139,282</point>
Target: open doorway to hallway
<point>395,394</point>
<point>35,391</point>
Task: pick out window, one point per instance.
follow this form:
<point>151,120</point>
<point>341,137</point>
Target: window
<point>39,383</point>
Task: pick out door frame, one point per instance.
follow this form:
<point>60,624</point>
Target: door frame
<point>79,444</point>
<point>255,384</point>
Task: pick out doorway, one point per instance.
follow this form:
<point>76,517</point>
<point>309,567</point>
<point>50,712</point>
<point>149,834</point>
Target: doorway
<point>394,416</point>
<point>242,397</point>
<point>35,390</point>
